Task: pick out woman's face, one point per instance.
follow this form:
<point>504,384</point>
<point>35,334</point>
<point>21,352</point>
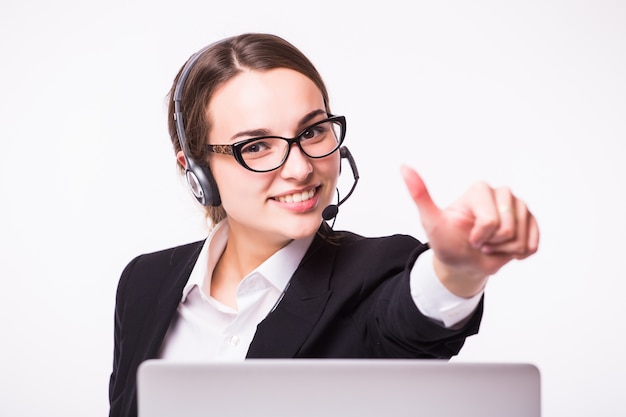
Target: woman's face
<point>278,206</point>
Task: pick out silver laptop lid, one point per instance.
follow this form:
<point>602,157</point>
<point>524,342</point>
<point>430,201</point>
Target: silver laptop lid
<point>332,387</point>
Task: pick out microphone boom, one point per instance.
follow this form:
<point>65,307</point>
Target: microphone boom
<point>331,211</point>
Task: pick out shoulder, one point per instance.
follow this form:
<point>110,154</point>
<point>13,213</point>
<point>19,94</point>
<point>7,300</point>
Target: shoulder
<point>146,271</point>
<point>378,255</point>
<point>167,257</point>
<point>361,266</point>
<point>349,241</point>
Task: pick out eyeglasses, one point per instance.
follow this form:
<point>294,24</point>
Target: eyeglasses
<point>268,153</point>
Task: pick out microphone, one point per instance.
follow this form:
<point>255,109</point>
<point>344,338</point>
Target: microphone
<point>331,211</point>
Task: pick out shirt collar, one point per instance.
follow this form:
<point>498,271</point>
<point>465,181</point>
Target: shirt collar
<point>277,269</point>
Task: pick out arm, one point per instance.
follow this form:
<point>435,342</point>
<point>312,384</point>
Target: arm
<point>434,300</point>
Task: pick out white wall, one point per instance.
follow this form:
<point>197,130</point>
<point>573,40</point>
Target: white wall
<point>530,94</point>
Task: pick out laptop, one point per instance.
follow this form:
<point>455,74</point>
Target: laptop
<point>338,387</point>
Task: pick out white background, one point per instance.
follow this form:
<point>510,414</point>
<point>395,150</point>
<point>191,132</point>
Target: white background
<point>530,94</point>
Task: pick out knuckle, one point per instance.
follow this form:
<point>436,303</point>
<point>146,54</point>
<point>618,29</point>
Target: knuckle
<point>507,233</point>
<point>481,185</point>
<point>504,191</point>
<point>488,223</point>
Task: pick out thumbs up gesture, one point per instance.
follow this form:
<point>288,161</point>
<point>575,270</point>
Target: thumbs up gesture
<point>475,236</point>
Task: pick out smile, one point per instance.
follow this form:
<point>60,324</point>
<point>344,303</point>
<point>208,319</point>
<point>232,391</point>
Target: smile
<point>297,197</point>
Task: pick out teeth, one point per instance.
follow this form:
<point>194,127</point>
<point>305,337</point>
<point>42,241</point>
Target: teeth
<point>297,197</point>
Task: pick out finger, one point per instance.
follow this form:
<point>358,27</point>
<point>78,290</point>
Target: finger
<point>522,225</point>
<point>507,216</point>
<point>527,241</point>
<point>420,195</point>
<point>533,235</point>
<point>481,200</point>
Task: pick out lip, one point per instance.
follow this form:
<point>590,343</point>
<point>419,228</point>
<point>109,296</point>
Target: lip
<point>297,205</point>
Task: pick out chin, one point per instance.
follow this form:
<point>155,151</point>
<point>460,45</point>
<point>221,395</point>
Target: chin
<point>300,230</point>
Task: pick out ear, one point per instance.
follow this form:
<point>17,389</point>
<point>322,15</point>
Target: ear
<point>180,157</point>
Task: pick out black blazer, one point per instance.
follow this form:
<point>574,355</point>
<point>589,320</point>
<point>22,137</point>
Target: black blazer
<point>349,298</point>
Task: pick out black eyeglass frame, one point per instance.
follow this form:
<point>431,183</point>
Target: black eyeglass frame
<point>235,148</point>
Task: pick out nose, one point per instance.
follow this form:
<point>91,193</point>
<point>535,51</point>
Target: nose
<point>298,166</point>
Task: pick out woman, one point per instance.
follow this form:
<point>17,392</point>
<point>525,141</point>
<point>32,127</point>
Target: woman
<point>253,132</point>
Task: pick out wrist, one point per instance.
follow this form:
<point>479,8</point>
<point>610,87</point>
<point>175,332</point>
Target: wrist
<point>461,281</point>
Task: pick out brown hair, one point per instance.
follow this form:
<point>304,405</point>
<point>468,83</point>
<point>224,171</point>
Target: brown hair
<point>218,64</point>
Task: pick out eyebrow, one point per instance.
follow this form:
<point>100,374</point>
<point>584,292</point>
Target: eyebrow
<point>265,132</point>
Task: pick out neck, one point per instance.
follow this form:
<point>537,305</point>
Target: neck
<point>244,252</point>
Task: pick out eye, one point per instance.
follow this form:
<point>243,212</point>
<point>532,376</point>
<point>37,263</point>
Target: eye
<point>317,131</point>
<point>308,134</point>
<point>255,147</point>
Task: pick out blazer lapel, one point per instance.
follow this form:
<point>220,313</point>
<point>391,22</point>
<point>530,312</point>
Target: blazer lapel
<point>285,330</point>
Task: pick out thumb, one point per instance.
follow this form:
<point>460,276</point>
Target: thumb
<point>414,183</point>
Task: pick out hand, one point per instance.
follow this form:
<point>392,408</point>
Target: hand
<point>475,236</point>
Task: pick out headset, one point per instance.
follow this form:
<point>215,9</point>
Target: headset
<point>198,174</point>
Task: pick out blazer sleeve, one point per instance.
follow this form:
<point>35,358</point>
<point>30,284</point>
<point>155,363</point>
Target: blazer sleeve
<point>392,324</point>
<point>399,328</point>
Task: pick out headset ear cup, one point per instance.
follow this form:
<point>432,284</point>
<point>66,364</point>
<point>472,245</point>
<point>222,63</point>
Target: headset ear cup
<point>202,184</point>
<point>215,200</point>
